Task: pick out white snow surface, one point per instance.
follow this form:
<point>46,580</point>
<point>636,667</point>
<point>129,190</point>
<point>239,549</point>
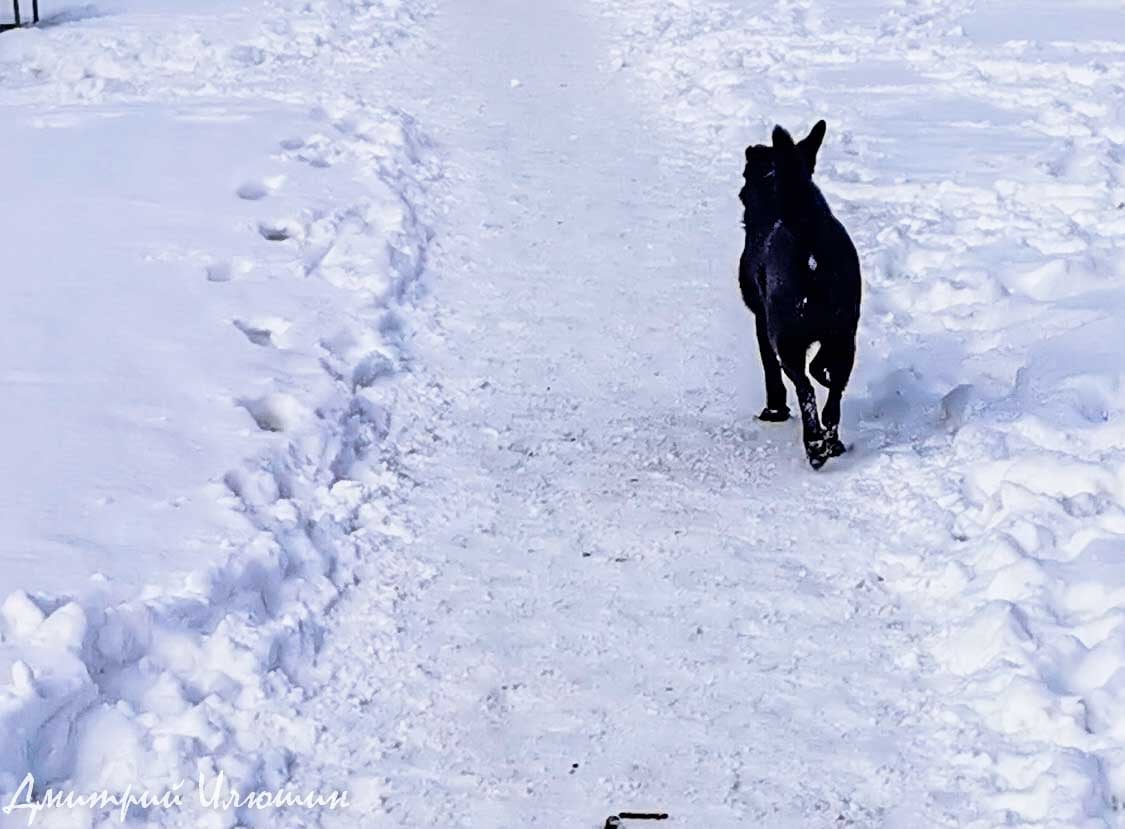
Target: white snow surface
<point>975,153</point>
<point>209,258</point>
<point>386,360</point>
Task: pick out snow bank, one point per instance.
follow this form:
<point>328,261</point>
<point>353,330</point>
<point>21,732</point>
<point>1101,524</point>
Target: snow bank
<point>975,157</point>
<point>292,285</point>
<point>104,694</point>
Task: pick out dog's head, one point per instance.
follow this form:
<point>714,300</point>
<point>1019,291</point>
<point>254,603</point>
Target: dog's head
<point>760,166</point>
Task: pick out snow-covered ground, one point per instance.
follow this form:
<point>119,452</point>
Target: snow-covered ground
<point>207,258</point>
<point>387,359</point>
<point>975,152</point>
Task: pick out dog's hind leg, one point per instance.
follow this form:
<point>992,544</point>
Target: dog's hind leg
<point>792,356</point>
<point>839,357</point>
<point>776,410</point>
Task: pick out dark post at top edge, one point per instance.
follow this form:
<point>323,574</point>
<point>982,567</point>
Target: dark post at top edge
<point>17,18</point>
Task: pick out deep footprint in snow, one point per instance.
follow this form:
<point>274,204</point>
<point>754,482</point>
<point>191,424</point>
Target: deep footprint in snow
<point>223,271</point>
<point>256,189</point>
<point>258,336</point>
<point>278,231</point>
<point>263,332</point>
<point>275,412</point>
<point>311,151</point>
<point>219,272</point>
<point>252,190</point>
<point>371,369</point>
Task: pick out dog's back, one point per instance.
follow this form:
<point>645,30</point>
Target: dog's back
<point>812,279</point>
<point>760,214</point>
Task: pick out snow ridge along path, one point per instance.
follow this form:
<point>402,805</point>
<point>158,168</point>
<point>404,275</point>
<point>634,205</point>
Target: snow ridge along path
<point>201,675</point>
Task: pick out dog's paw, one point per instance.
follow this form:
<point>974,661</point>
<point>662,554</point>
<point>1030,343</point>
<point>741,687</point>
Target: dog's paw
<point>818,451</point>
<point>774,415</point>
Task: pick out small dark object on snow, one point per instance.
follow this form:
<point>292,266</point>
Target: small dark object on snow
<point>614,821</point>
<point>17,20</point>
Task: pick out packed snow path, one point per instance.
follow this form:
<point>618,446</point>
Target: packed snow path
<point>619,592</point>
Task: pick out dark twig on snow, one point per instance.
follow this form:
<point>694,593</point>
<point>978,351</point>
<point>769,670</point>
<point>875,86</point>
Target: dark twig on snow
<point>614,821</point>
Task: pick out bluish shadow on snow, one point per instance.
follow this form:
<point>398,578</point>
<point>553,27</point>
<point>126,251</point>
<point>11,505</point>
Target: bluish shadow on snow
<point>72,15</point>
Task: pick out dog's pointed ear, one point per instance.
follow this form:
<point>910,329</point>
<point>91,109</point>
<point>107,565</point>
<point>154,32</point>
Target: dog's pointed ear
<point>810,145</point>
<point>781,139</point>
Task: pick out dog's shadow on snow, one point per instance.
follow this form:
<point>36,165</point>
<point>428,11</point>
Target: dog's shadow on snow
<point>894,401</point>
<point>902,402</point>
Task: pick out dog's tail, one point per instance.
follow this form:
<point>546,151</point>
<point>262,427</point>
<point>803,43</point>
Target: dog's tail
<point>796,195</point>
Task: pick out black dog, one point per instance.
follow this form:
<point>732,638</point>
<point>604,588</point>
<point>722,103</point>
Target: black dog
<point>799,274</point>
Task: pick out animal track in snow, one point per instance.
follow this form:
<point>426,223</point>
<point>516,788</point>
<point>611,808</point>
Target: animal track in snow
<point>264,331</point>
<point>278,231</point>
<point>257,189</point>
<point>223,271</point>
<point>316,151</point>
<point>371,369</point>
<point>252,190</point>
<point>219,272</point>
<point>274,412</point>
